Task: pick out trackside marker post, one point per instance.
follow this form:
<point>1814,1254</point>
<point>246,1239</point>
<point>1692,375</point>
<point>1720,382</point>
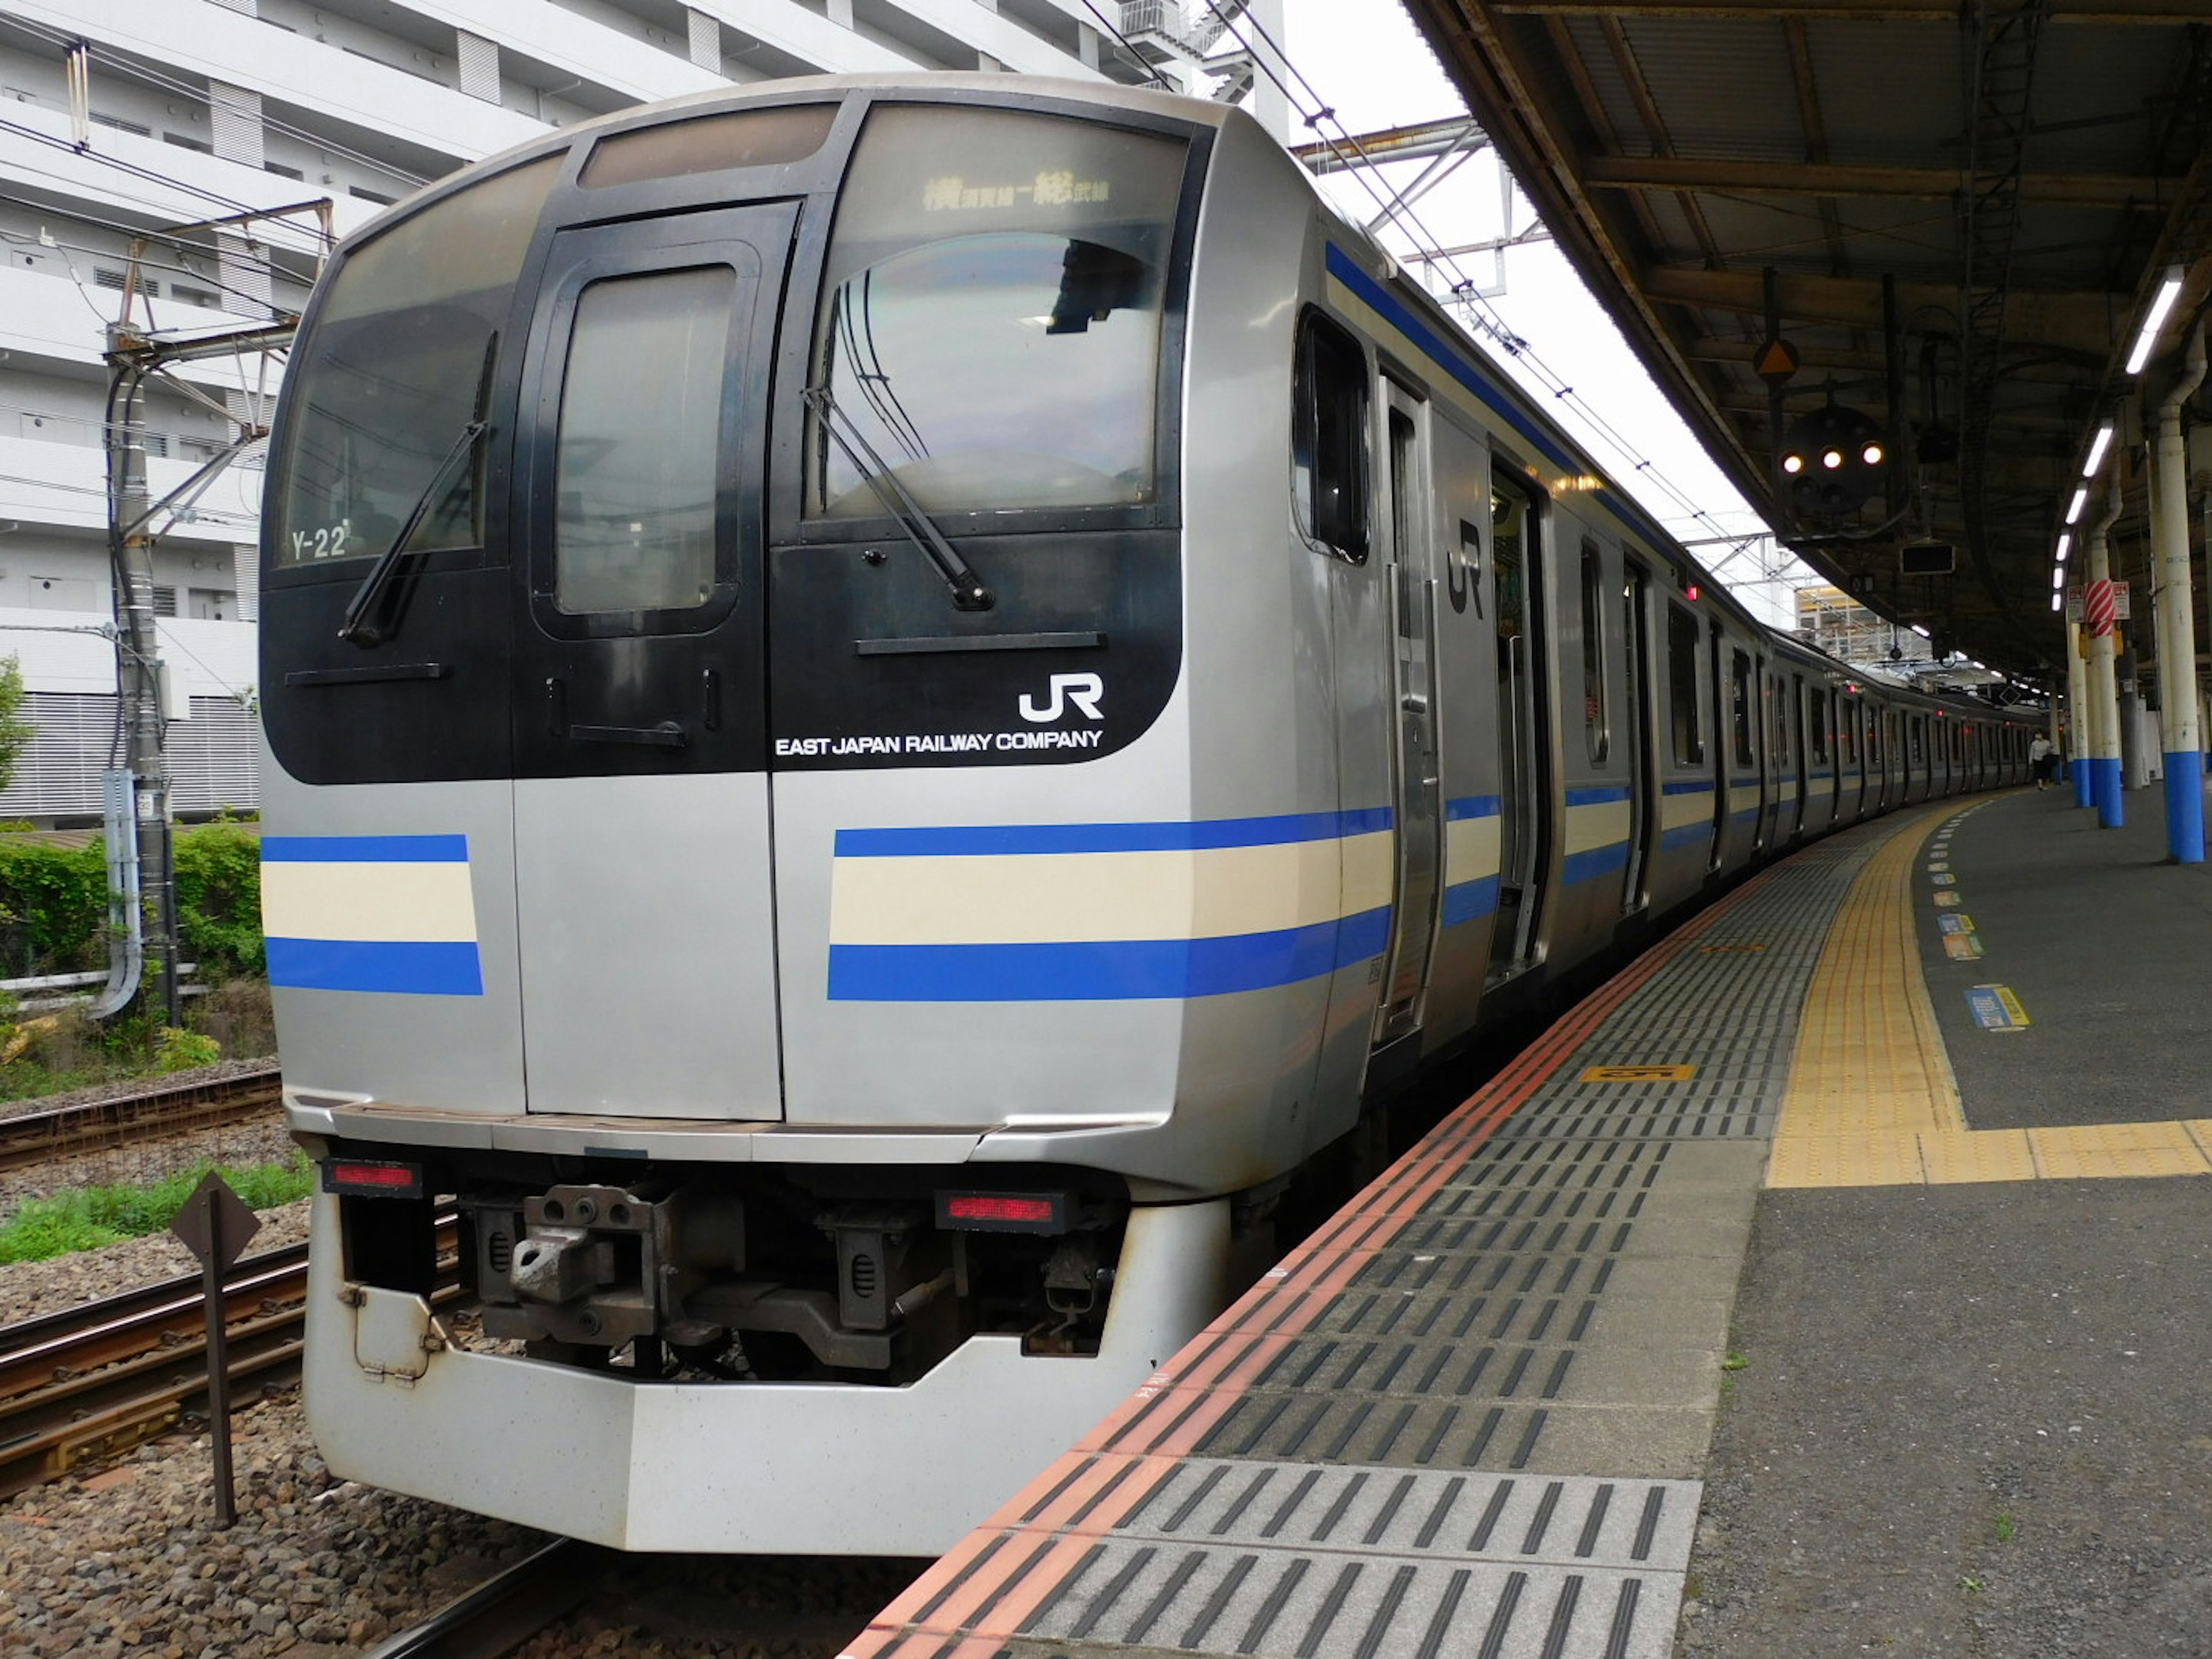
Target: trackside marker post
<point>215,1225</point>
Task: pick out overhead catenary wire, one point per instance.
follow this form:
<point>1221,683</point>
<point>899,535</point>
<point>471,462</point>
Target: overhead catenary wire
<point>1366,169</point>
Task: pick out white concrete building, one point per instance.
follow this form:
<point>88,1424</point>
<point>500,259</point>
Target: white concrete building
<point>122,119</point>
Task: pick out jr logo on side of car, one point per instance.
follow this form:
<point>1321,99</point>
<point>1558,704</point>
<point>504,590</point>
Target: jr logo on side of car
<point>1083,690</point>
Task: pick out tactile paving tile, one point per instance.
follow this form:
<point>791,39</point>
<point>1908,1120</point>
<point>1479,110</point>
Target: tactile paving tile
<point>1730,1011</point>
<point>1281,1558</point>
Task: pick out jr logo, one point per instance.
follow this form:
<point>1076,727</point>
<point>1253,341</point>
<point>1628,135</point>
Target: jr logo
<point>1083,690</point>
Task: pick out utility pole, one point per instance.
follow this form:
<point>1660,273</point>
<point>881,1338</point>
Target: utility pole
<point>138,666</point>
<point>141,850</point>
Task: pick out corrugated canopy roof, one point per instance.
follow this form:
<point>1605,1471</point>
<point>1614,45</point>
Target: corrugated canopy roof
<point>1965,208</point>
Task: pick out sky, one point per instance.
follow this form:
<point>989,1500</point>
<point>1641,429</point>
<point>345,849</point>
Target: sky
<point>1364,59</point>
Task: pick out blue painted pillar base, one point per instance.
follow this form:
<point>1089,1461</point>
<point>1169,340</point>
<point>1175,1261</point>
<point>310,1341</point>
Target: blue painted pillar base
<point>2105,785</point>
<point>2184,807</point>
<point>2083,797</point>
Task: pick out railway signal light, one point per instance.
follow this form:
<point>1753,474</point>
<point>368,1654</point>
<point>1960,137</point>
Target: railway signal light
<point>1833,459</point>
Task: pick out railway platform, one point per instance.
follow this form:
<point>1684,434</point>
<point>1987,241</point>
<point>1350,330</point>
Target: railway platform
<point>1819,1283</point>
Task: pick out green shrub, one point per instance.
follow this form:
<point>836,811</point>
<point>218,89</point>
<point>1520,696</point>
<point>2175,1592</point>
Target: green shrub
<point>219,900</point>
<point>180,1051</point>
<point>53,906</point>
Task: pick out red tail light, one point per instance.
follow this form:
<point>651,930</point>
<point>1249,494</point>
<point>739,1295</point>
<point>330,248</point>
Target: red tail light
<point>1004,1212</point>
<point>372,1178</point>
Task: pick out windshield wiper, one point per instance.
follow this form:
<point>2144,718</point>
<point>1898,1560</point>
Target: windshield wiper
<point>968,592</point>
<point>358,629</point>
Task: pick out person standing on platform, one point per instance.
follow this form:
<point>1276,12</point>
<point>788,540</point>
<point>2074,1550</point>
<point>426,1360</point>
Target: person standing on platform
<point>2042,757</point>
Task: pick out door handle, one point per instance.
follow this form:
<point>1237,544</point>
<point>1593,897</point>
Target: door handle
<point>669,734</point>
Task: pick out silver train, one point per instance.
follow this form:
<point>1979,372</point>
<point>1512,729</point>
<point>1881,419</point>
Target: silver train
<point>895,706</point>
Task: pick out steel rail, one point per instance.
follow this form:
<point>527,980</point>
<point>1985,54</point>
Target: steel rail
<point>32,1137</point>
<point>507,1610</point>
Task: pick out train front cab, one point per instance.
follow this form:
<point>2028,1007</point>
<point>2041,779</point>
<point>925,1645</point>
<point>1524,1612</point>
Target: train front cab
<point>557,602</point>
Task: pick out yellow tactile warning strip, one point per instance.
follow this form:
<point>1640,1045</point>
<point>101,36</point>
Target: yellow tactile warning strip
<point>1871,1100</point>
<point>1869,1072</point>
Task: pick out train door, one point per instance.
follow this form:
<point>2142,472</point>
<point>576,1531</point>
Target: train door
<point>1799,743</point>
<point>1766,716</point>
<point>1727,698</point>
<point>1642,693</point>
<point>1516,568</point>
<point>1419,805</point>
<point>639,735</point>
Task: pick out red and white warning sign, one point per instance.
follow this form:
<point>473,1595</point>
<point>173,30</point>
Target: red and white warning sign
<point>2098,605</point>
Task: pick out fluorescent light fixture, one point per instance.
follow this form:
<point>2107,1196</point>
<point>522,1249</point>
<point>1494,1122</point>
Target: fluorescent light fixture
<point>2057,601</point>
<point>2154,320</point>
<point>2058,578</point>
<point>2098,445</point>
<point>2074,508</point>
<point>1919,629</point>
<point>2065,542</point>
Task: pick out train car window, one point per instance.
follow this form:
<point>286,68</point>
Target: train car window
<point>992,313</point>
<point>1847,728</point>
<point>1781,724</point>
<point>710,143</point>
<point>1916,737</point>
<point>1739,703</point>
<point>1596,728</point>
<point>636,466</point>
<point>1328,437</point>
<point>1682,686</point>
<point>1824,712</point>
<point>399,363</point>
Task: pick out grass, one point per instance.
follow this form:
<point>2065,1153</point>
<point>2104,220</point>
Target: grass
<point>90,1216</point>
<point>2005,1527</point>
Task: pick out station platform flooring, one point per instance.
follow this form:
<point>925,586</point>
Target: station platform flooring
<point>1822,1283</point>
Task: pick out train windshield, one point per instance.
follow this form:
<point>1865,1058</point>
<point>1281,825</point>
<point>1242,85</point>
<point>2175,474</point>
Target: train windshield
<point>398,365</point>
<point>992,312</point>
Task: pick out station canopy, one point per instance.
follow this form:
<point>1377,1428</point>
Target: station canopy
<point>1954,219</point>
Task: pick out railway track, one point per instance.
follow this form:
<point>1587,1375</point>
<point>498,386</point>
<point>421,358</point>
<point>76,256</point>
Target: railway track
<point>508,1609</point>
<point>164,1109</point>
<point>80,1386</point>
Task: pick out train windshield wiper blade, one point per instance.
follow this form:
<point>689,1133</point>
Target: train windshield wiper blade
<point>357,629</point>
<point>968,592</point>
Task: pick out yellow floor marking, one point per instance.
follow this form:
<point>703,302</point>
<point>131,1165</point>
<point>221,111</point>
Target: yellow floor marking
<point>1639,1074</point>
<point>2117,1149</point>
<point>1978,1155</point>
<point>1871,1100</point>
<point>1868,1057</point>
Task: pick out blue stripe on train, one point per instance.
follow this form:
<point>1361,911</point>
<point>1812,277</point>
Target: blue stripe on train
<point>364,850</point>
<point>438,969</point>
<point>986,839</point>
<point>1102,970</point>
<point>1596,861</point>
<point>1465,901</point>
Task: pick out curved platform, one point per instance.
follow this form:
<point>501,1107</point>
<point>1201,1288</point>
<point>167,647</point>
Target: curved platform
<point>1474,1414</point>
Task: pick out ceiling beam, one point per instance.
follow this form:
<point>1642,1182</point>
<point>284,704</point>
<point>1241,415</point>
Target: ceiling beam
<point>2074,321</point>
<point>1798,178</point>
